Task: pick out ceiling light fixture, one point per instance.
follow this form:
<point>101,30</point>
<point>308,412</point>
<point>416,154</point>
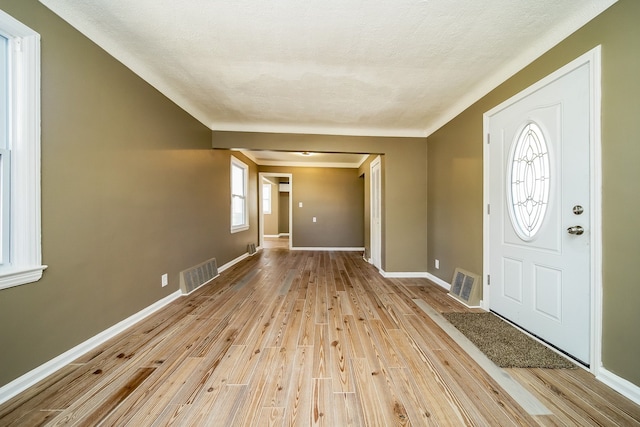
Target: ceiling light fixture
<point>306,153</point>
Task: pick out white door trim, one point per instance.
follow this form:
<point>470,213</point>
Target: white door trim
<point>376,252</point>
<point>593,59</point>
<point>262,175</point>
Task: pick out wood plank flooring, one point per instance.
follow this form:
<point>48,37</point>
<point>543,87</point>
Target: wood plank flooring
<point>302,338</point>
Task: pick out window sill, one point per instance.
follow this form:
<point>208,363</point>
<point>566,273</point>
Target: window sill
<point>20,276</point>
<point>239,228</point>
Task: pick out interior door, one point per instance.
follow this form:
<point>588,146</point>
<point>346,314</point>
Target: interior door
<point>539,195</point>
<point>376,220</point>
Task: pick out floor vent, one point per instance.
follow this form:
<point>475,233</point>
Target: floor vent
<point>466,288</point>
<point>194,277</point>
<point>251,248</point>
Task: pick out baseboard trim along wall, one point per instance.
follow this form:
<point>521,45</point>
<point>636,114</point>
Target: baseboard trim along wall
<point>619,384</point>
<point>415,275</point>
<point>403,275</point>
<point>300,248</point>
<point>41,372</point>
<point>438,281</point>
<point>235,261</point>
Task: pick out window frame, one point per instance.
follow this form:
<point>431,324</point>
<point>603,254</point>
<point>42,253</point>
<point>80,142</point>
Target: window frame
<point>235,162</point>
<point>24,263</point>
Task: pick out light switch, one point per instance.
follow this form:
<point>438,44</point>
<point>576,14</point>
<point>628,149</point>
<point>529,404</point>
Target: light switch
<point>300,204</point>
<point>314,219</point>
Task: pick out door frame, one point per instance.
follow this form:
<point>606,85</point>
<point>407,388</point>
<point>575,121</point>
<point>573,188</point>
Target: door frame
<point>593,59</point>
<point>261,176</point>
<point>376,252</point>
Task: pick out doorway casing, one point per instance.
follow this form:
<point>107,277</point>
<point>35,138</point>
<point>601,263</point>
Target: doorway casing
<point>261,176</point>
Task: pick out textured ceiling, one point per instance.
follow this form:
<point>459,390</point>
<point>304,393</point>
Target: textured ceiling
<point>352,67</point>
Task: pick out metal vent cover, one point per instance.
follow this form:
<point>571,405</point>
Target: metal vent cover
<point>194,277</point>
<point>466,287</point>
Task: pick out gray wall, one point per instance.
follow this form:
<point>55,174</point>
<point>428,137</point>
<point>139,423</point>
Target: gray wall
<point>455,176</point>
<point>283,218</point>
<point>130,190</point>
<point>335,197</point>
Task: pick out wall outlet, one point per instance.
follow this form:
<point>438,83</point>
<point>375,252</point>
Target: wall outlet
<point>437,264</point>
<point>314,219</point>
<point>299,204</point>
<point>165,280</point>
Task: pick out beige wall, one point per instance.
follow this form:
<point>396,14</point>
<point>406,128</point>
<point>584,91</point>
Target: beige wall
<point>283,219</point>
<point>130,190</point>
<point>404,178</point>
<point>334,196</point>
<point>455,176</point>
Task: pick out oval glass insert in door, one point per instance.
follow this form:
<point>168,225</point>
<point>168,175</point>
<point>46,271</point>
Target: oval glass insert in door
<point>528,181</point>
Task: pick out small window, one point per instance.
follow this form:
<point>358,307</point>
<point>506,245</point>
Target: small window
<point>239,186</point>
<point>266,199</point>
<point>20,246</point>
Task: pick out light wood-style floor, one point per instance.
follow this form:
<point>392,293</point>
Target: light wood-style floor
<point>276,242</point>
<point>302,338</point>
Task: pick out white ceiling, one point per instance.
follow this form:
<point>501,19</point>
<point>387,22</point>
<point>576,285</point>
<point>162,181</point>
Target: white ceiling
<point>350,67</point>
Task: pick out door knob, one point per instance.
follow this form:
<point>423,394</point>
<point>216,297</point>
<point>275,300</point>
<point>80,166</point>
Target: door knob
<point>576,229</point>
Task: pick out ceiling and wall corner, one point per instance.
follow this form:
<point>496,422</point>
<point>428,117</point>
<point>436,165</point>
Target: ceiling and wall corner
<point>346,67</point>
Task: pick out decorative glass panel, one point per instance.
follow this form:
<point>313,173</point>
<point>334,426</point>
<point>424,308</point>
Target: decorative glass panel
<point>528,186</point>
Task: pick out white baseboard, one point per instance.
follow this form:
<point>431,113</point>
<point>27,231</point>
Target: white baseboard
<point>234,262</point>
<point>271,235</point>
<point>283,235</point>
<point>619,384</point>
<point>300,248</point>
<point>415,275</point>
<point>41,372</point>
<point>438,281</point>
<point>403,275</point>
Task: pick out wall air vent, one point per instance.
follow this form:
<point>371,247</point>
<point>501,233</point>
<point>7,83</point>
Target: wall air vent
<point>194,277</point>
<point>251,248</point>
<point>466,287</point>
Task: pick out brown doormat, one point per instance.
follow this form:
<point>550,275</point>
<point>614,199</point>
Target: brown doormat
<point>505,345</point>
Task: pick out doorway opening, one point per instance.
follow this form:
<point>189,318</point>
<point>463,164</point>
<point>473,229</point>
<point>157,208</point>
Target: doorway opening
<point>275,191</point>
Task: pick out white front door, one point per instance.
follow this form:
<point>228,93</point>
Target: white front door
<point>539,210</point>
<point>376,215</point>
